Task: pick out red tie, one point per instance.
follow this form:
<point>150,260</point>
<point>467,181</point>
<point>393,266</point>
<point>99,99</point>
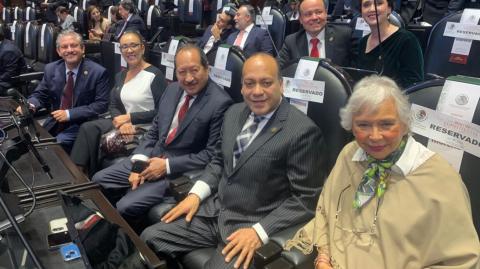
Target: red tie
<point>181,115</point>
<point>67,96</point>
<point>314,52</point>
<point>238,41</point>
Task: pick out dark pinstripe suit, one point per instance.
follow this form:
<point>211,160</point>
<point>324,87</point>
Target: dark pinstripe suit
<point>275,183</point>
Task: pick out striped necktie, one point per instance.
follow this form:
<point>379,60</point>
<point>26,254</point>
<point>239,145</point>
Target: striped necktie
<point>243,139</point>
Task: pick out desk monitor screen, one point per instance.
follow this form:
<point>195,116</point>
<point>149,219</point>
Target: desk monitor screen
<point>102,244</point>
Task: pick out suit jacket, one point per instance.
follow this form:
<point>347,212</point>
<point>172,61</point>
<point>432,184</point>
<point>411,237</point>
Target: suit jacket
<point>91,91</point>
<point>134,24</point>
<point>257,41</point>
<point>276,181</point>
<point>208,33</point>
<point>195,140</point>
<point>11,63</point>
<point>337,47</point>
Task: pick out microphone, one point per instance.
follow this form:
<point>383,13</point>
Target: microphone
<point>266,27</point>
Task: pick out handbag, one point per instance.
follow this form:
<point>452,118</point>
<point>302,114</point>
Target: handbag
<point>115,144</point>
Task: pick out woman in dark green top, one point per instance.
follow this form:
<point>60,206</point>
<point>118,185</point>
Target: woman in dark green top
<point>399,56</point>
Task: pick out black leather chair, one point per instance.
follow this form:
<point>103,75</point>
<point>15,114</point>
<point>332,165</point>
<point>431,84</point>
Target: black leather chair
<point>30,48</point>
<point>235,62</point>
<point>182,41</point>
<point>19,34</point>
<point>191,20</point>
<point>217,6</point>
<point>30,14</point>
<point>439,48</point>
<point>427,94</point>
<point>7,15</point>
<point>83,4</point>
<point>337,90</point>
<point>81,24</point>
<point>277,28</point>
<point>152,20</point>
<point>17,13</point>
<point>46,39</point>
<point>142,7</point>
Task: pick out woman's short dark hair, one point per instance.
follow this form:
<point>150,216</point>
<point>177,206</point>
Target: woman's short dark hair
<point>390,3</point>
<point>128,5</point>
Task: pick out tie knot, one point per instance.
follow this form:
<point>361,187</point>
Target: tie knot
<point>314,41</point>
<point>258,119</point>
<point>70,73</point>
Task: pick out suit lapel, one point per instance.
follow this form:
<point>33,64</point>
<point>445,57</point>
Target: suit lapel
<point>329,42</point>
<point>80,81</point>
<point>303,44</point>
<point>198,103</point>
<point>273,127</point>
<point>250,37</point>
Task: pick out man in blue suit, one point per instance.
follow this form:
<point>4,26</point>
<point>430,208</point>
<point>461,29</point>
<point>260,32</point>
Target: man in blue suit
<point>11,63</point>
<point>182,138</point>
<point>76,90</point>
<point>248,37</point>
<point>218,33</point>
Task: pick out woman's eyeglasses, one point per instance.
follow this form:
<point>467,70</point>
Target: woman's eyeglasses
<point>132,46</point>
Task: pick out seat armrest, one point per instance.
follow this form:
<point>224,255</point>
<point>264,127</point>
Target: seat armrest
<point>27,77</point>
<point>179,181</point>
<point>279,263</point>
<point>430,76</point>
<point>266,254</point>
<point>181,191</point>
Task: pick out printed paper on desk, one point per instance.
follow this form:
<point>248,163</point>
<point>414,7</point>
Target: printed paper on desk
<point>169,73</point>
<point>307,90</point>
<point>220,76</point>
<point>222,57</point>
<point>459,99</point>
<point>306,69</point>
<point>456,133</point>
<point>300,105</point>
<point>168,60</point>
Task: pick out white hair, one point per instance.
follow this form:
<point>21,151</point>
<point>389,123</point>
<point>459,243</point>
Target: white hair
<point>370,92</point>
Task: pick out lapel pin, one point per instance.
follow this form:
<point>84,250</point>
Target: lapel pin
<point>274,130</point>
<point>330,39</point>
<point>85,72</point>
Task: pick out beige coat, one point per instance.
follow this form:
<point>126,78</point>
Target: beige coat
<point>423,221</point>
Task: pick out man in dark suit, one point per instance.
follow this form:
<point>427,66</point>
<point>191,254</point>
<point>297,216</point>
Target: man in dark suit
<point>49,7</point>
<point>130,20</point>
<point>76,90</point>
<point>265,176</point>
<point>249,37</point>
<point>182,138</point>
<point>333,41</point>
<point>11,63</point>
<point>217,33</point>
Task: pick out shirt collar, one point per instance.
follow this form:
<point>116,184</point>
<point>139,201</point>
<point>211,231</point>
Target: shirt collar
<point>414,155</point>
<point>75,70</point>
<point>129,16</point>
<point>320,36</point>
<point>249,28</point>
<point>270,114</point>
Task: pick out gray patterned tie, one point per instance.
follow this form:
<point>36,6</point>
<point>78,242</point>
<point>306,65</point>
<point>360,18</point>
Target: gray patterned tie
<point>244,138</point>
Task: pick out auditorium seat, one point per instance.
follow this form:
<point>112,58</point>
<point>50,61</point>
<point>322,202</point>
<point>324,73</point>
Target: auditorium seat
<point>47,52</point>
<point>427,94</point>
<point>81,21</point>
<point>235,62</point>
<point>191,20</point>
<point>152,20</point>
<point>337,90</point>
<point>277,28</point>
<point>30,45</point>
<point>182,41</point>
<point>18,34</point>
<point>142,7</point>
<point>217,6</point>
<point>17,13</point>
<point>30,14</point>
<point>7,16</point>
<point>438,52</point>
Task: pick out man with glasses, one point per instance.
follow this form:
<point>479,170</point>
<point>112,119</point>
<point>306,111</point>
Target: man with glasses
<point>218,32</point>
<point>182,138</point>
<point>74,88</point>
<point>317,38</point>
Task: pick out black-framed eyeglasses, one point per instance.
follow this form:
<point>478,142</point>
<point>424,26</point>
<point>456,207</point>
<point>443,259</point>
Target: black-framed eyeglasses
<point>359,236</point>
<point>132,46</point>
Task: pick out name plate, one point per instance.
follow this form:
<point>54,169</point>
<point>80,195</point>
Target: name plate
<point>446,129</point>
<point>462,30</point>
<point>307,90</point>
<point>220,76</point>
<point>168,60</point>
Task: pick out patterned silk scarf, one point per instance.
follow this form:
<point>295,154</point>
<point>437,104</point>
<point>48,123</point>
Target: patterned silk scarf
<point>374,178</point>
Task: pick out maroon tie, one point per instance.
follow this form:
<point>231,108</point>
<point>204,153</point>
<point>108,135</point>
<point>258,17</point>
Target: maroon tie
<point>181,115</point>
<point>67,97</point>
<point>314,52</point>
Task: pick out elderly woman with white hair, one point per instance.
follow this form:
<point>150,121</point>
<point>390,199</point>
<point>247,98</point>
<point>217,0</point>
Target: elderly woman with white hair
<point>389,202</point>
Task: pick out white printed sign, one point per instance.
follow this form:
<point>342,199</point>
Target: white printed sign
<point>168,60</point>
<point>307,90</point>
<point>220,76</point>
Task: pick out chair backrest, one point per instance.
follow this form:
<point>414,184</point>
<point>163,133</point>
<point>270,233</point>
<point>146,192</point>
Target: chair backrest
<point>235,61</point>
<point>142,7</point>
<point>18,35</point>
<point>326,114</point>
<point>30,14</point>
<point>17,14</point>
<point>47,37</point>
<point>427,94</point>
<point>7,15</point>
<point>83,4</point>
<point>152,20</point>
<point>30,45</point>
<point>81,19</point>
<point>217,6</point>
<point>192,12</point>
<point>439,48</point>
<point>278,26</point>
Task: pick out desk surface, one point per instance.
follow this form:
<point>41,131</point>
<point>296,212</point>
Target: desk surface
<point>67,176</point>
